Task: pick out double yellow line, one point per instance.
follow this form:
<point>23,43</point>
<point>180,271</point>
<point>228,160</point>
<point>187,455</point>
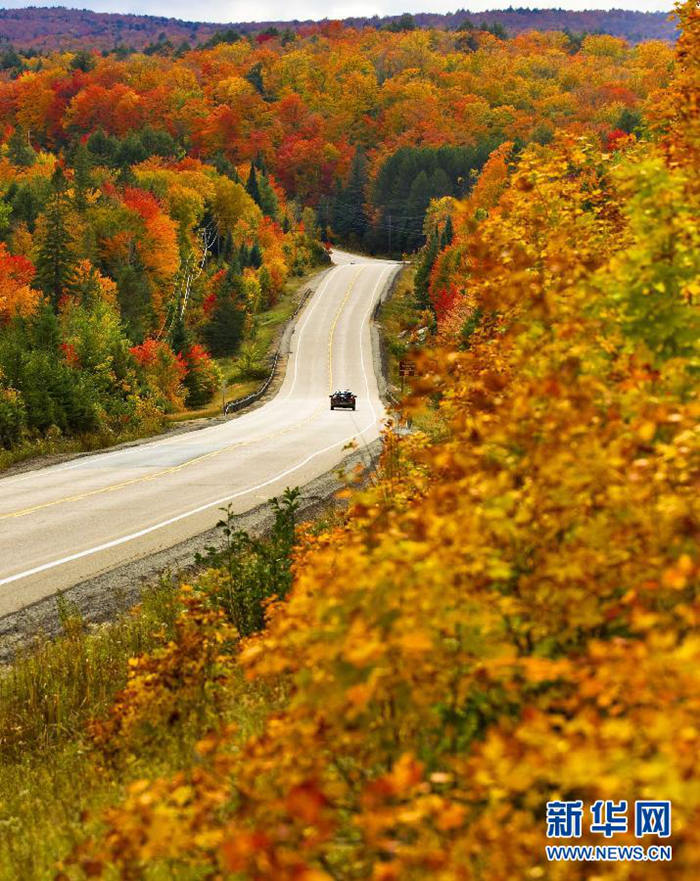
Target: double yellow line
<point>175,468</point>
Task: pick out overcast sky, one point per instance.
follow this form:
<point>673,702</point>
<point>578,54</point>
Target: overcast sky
<point>284,10</point>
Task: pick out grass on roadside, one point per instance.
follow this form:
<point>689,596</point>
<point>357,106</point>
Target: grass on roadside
<point>54,784</point>
<point>48,775</point>
<point>49,691</point>
<point>55,778</point>
<point>55,444</point>
<point>397,319</point>
<point>245,371</point>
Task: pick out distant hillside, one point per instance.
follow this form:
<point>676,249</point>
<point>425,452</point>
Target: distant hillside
<point>633,26</point>
<point>54,27</point>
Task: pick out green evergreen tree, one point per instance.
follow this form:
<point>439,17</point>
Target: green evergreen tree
<point>224,331</point>
<point>405,22</point>
<point>324,212</point>
<point>11,61</point>
<point>288,36</point>
<point>267,197</point>
<point>355,196</point>
<point>629,120</point>
<point>409,178</point>
<point>226,247</point>
<point>254,77</point>
<point>26,200</point>
<point>103,147</point>
<point>256,256</point>
<point>44,331</point>
<point>439,184</point>
<point>252,185</point>
<point>225,167</point>
<point>83,60</point>
<point>131,151</point>
<point>134,294</point>
<point>19,150</point>
<point>82,175</point>
<point>338,218</point>
<point>349,216</point>
<point>448,234</point>
<point>416,205</point>
<point>497,29</point>
<point>158,142</point>
<point>180,338</point>
<point>265,280</point>
<point>56,261</point>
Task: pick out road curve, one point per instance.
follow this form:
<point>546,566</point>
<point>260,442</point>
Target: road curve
<point>63,524</point>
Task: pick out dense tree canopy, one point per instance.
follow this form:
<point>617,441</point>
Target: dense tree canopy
<point>509,614</point>
<point>141,180</point>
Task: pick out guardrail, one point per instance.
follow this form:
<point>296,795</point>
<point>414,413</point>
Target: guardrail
<point>241,403</point>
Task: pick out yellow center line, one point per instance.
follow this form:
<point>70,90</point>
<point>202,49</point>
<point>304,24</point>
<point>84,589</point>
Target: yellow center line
<point>175,468</point>
<point>332,333</point>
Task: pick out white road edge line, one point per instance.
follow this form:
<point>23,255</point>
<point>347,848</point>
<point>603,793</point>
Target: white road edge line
<point>134,535</point>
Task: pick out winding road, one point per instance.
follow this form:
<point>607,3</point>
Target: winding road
<point>63,524</point>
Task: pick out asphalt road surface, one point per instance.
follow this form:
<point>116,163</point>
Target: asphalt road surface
<point>63,524</point>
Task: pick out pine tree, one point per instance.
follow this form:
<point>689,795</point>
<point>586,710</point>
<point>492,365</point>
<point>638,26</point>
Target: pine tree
<point>256,256</point>
<point>225,167</point>
<point>224,331</point>
<point>180,339</point>
<point>44,330</point>
<point>252,186</point>
<point>259,163</point>
<point>26,203</point>
<point>339,218</point>
<point>267,197</point>
<point>417,203</point>
<point>226,246</point>
<point>83,60</point>
<point>135,296</point>
<point>254,77</point>
<point>265,280</point>
<point>355,196</point>
<point>349,216</point>
<point>448,234</point>
<point>19,150</point>
<point>82,177</point>
<point>56,263</point>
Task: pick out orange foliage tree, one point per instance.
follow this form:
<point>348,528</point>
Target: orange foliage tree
<point>16,295</point>
<point>509,615</point>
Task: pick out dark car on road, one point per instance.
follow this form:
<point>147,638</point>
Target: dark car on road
<point>343,401</point>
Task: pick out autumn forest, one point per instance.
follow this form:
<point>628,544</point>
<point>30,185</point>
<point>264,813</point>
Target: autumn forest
<point>515,616</point>
<point>152,205</point>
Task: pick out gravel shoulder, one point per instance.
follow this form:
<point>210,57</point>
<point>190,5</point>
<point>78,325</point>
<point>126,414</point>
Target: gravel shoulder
<point>105,597</point>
